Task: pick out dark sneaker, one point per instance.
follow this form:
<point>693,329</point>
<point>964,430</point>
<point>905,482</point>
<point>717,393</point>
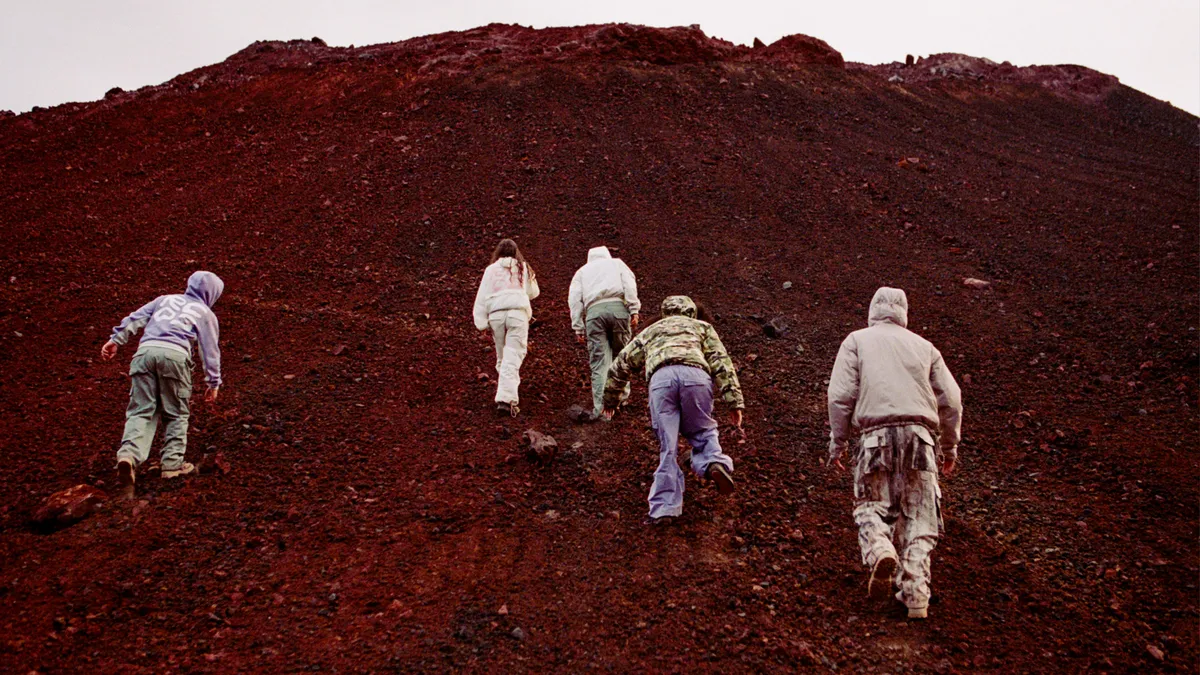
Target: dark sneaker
<point>880,585</point>
<point>719,475</point>
<point>661,521</point>
<point>504,409</point>
<point>125,473</point>
<point>182,470</point>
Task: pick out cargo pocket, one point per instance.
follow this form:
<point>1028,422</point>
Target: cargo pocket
<point>923,457</point>
<point>921,504</point>
<point>138,365</point>
<point>873,466</point>
<point>179,373</point>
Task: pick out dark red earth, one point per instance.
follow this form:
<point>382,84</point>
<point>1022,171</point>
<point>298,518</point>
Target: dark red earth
<point>369,512</point>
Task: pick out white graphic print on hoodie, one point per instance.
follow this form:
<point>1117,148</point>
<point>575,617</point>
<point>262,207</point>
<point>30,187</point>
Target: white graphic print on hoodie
<point>602,278</point>
<point>506,284</point>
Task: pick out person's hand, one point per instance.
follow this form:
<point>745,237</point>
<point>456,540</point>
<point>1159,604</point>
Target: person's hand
<point>109,350</point>
<point>633,321</point>
<point>735,418</point>
<point>837,464</point>
<point>484,333</point>
<point>948,466</point>
<point>608,413</point>
<point>210,396</point>
<point>580,338</point>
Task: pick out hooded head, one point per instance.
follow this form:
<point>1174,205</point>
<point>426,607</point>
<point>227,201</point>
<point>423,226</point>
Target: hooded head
<point>890,305</point>
<point>205,286</point>
<point>679,305</point>
<point>599,253</point>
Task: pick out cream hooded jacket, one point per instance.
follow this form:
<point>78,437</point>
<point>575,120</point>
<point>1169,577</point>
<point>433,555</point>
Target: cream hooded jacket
<point>602,278</point>
<point>506,284</point>
<point>886,375</point>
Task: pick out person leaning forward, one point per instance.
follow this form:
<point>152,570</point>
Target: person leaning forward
<point>682,357</point>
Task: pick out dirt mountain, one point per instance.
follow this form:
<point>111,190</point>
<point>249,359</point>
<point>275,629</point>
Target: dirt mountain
<point>363,510</point>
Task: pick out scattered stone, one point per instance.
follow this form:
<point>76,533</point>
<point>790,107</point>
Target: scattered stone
<point>540,449</point>
<point>758,44</point>
<point>339,350</point>
<point>517,634</point>
<point>579,414</point>
<point>114,92</point>
<point>787,285</point>
<point>289,377</point>
<point>1155,652</point>
<point>775,328</point>
<point>978,284</point>
<point>319,41</point>
<point>895,78</point>
<point>503,611</point>
<point>70,506</point>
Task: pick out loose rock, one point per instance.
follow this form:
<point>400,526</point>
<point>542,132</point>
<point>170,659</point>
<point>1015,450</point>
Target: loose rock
<point>70,506</point>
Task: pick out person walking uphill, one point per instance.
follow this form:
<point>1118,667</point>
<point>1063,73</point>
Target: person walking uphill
<point>682,357</point>
<point>604,306</point>
<point>502,304</point>
<point>895,386</point>
<point>161,372</point>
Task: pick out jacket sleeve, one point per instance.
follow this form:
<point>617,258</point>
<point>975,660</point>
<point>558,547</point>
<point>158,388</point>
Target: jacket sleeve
<point>208,334</point>
<point>136,321</point>
<point>531,286</point>
<point>481,313</point>
<point>631,359</point>
<point>720,366</point>
<point>843,396</point>
<point>575,302</point>
<point>949,401</point>
<point>629,285</point>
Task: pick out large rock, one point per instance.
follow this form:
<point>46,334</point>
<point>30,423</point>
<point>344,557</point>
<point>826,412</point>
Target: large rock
<point>541,449</point>
<point>70,506</point>
<point>801,50</point>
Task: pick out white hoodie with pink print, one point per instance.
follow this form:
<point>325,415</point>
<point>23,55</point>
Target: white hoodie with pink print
<point>506,284</point>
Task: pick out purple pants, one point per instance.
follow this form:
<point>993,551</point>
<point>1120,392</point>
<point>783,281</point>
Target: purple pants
<point>681,400</point>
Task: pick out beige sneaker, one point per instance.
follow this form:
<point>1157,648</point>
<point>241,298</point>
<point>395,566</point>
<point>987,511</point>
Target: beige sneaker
<point>183,470</point>
<point>918,612</point>
<point>126,476</point>
<point>880,585</point>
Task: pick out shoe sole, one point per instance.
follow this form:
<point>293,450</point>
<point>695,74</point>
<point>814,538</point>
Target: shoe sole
<point>125,475</point>
<point>918,613</point>
<point>177,474</point>
<point>880,585</point>
<point>722,480</point>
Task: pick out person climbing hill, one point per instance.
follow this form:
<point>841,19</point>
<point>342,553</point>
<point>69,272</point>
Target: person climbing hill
<point>503,304</point>
<point>161,372</point>
<point>682,357</point>
<point>604,308</point>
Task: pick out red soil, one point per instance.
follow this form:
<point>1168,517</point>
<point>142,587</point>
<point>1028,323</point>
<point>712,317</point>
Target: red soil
<point>373,515</point>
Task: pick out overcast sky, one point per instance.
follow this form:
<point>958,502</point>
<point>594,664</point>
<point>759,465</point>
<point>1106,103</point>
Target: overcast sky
<point>54,51</point>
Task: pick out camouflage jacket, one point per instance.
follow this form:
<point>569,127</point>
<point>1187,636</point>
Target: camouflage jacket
<point>676,339</point>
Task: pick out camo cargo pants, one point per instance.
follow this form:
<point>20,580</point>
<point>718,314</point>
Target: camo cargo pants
<point>896,495</point>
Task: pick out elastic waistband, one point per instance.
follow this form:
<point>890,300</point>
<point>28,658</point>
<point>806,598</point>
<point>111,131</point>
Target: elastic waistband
<point>163,344</point>
<point>666,364</point>
<point>605,301</point>
<point>902,423</point>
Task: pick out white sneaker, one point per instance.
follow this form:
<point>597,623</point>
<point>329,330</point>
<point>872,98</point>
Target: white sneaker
<point>918,612</point>
<point>183,470</point>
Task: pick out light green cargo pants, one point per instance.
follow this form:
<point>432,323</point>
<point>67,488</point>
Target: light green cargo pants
<point>607,331</point>
<point>161,386</point>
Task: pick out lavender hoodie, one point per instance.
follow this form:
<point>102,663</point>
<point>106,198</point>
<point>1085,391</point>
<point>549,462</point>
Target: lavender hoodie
<point>180,320</point>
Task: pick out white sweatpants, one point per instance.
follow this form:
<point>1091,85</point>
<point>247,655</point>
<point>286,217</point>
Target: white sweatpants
<point>510,328</point>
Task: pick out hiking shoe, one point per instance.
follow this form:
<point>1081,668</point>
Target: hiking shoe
<point>661,521</point>
<point>183,470</point>
<point>125,473</point>
<point>719,475</point>
<point>918,612</point>
<point>880,585</point>
<point>504,409</point>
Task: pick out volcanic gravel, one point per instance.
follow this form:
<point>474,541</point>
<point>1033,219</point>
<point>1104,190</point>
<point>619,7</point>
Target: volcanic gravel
<point>368,512</point>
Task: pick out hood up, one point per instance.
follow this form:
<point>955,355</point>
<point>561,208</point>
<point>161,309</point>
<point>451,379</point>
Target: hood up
<point>679,305</point>
<point>599,253</point>
<point>890,305</point>
<point>205,286</point>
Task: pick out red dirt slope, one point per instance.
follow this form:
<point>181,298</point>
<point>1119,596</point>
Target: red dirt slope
<point>373,515</point>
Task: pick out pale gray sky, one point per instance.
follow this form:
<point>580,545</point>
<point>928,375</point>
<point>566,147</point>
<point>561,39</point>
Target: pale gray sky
<point>54,51</point>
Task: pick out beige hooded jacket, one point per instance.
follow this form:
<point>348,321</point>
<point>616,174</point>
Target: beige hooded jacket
<point>887,375</point>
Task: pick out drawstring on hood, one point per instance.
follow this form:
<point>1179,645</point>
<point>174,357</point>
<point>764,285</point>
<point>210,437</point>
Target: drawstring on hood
<point>599,253</point>
<point>205,287</point>
<point>679,305</point>
<point>890,305</point>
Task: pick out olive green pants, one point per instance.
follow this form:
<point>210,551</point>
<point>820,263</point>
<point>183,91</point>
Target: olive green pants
<point>607,331</point>
<point>160,389</point>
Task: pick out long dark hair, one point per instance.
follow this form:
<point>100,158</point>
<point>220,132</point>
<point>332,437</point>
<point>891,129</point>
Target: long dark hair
<point>507,248</point>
